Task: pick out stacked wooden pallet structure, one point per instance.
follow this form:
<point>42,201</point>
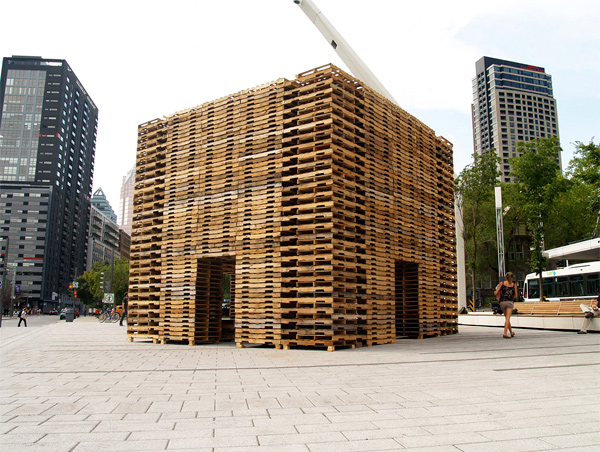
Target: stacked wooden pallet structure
<point>330,208</point>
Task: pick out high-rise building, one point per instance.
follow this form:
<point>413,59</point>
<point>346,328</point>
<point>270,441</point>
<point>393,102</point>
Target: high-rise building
<point>104,241</point>
<point>48,127</point>
<point>100,202</point>
<point>125,216</point>
<point>512,102</point>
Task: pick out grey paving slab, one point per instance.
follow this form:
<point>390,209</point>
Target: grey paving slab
<point>82,387</point>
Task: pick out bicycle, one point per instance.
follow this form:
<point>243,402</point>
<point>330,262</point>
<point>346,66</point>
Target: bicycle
<point>110,316</point>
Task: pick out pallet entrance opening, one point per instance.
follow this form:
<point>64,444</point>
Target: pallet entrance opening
<point>407,298</point>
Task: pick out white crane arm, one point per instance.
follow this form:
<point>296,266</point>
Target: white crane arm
<point>358,68</point>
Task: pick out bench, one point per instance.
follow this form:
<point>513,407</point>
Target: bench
<point>552,308</point>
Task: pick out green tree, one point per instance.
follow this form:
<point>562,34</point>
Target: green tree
<point>120,282</point>
<point>90,289</point>
<point>474,189</point>
<point>537,174</point>
<point>584,169</point>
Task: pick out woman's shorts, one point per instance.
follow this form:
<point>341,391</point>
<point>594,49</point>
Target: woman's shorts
<point>506,304</point>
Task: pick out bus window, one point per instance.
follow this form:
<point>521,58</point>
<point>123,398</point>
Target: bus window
<point>593,284</point>
<point>549,290</point>
<point>534,288</point>
<point>576,286</point>
<point>562,287</point>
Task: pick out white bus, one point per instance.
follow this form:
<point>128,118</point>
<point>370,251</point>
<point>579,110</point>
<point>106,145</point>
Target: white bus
<point>575,282</point>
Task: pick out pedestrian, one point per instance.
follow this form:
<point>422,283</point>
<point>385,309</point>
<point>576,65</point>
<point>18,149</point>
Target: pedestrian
<point>124,313</point>
<point>23,317</point>
<point>509,293</point>
<point>590,313</point>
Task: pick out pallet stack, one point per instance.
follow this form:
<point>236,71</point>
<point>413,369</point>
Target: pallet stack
<point>145,266</point>
<point>330,207</point>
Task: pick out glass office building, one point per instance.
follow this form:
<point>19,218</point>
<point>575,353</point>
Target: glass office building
<point>48,127</point>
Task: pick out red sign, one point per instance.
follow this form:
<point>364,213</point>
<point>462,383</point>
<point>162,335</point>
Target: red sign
<point>532,68</point>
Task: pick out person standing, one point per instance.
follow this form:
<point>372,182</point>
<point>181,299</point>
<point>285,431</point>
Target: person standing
<point>124,313</point>
<point>590,313</point>
<point>509,293</point>
<point>23,317</point>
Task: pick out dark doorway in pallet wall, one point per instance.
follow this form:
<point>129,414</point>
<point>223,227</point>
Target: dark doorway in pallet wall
<point>211,324</point>
<point>407,298</point>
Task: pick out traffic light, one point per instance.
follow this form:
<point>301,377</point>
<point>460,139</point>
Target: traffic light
<point>75,294</point>
<point>70,287</point>
<point>102,281</point>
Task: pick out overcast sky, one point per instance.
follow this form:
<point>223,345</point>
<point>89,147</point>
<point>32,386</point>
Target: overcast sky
<point>141,60</point>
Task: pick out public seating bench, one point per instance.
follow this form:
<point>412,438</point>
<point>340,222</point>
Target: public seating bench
<point>552,308</point>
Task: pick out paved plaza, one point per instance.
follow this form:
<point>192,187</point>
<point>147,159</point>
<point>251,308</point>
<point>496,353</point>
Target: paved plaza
<point>82,387</point>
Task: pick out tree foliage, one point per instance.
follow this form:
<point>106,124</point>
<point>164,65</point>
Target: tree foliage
<point>537,174</point>
<point>584,172</point>
<point>90,289</point>
<point>474,189</point>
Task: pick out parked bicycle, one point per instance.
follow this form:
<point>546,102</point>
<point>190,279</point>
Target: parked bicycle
<point>108,315</point>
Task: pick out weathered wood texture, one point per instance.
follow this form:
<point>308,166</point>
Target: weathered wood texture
<point>331,207</point>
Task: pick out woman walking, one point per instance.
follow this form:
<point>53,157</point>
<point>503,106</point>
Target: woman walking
<point>508,295</point>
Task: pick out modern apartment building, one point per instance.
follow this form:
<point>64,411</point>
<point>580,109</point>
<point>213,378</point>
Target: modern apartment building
<point>125,217</point>
<point>48,127</point>
<point>512,102</point>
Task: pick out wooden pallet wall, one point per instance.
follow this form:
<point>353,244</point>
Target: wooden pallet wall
<point>332,206</point>
<point>143,320</point>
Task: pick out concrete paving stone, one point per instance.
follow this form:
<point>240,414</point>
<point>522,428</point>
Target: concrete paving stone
<point>319,410</point>
<point>177,416</point>
<point>122,446</point>
<point>132,407</point>
<point>450,428</point>
<point>591,438</point>
<point>21,437</point>
<point>67,418</point>
<point>517,445</point>
<point>193,444</point>
<point>165,407</point>
<point>173,434</point>
<point>75,427</point>
<point>521,433</point>
<point>133,426</point>
<point>355,446</point>
<point>25,419</point>
<point>593,448</point>
<point>199,405</point>
<point>278,448</point>
<point>146,417</point>
<point>369,415</point>
<point>292,420</point>
<point>301,438</point>
<point>203,423</point>
<point>255,412</point>
<point>356,435</point>
<point>31,447</point>
<point>66,436</point>
<point>441,439</point>
<point>28,409</point>
<point>263,403</point>
<point>340,427</point>
<point>255,430</point>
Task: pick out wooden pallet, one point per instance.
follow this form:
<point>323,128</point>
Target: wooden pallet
<point>331,207</point>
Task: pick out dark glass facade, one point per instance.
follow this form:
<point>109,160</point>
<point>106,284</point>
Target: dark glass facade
<point>48,126</point>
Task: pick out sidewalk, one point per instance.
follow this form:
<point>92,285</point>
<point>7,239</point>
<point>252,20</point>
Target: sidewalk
<point>80,386</point>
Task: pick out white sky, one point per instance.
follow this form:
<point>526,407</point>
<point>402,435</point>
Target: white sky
<point>141,60</point>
